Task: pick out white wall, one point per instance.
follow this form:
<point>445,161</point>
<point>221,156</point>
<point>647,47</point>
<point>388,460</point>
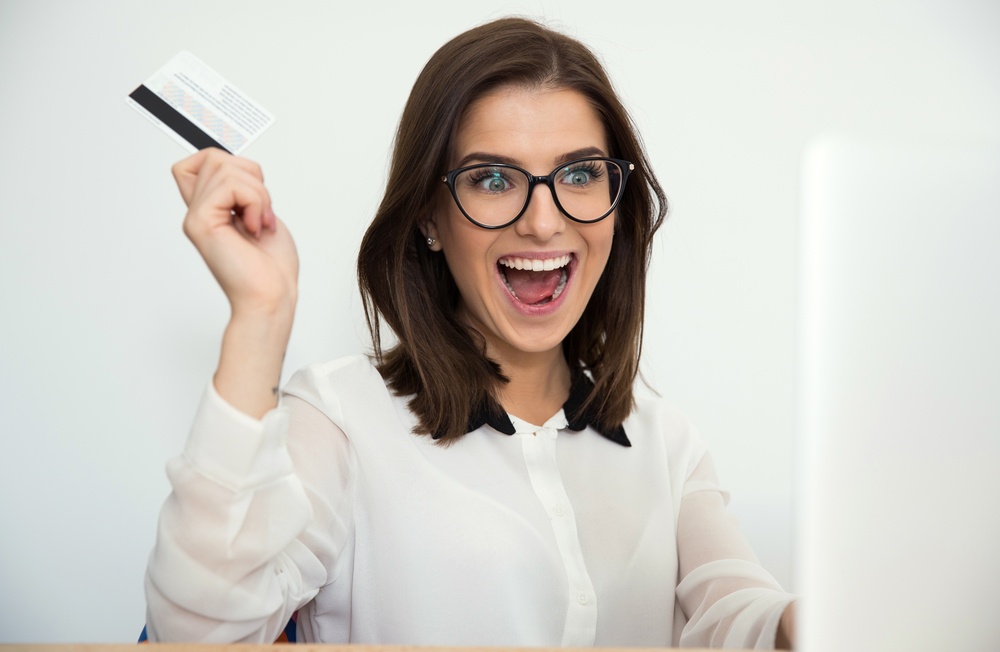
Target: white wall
<point>111,324</point>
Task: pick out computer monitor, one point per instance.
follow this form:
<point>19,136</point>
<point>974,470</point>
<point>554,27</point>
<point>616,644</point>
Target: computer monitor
<point>898,505</point>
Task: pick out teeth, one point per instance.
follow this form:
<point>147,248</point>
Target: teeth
<point>561,286</point>
<point>509,288</point>
<point>535,264</point>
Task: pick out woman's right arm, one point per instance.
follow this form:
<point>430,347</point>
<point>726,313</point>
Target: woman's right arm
<point>243,538</point>
<point>251,254</point>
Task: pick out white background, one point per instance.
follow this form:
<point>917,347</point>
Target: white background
<point>110,322</point>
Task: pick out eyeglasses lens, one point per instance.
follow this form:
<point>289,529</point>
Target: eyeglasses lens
<point>495,194</point>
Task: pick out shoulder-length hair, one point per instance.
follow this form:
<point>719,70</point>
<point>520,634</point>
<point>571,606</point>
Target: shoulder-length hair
<point>438,361</point>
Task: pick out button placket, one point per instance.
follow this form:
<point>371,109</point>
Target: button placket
<point>543,472</point>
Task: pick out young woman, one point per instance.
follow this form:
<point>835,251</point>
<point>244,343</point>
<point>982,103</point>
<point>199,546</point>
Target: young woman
<point>489,479</point>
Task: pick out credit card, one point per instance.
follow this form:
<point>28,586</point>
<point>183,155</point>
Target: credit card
<point>198,108</point>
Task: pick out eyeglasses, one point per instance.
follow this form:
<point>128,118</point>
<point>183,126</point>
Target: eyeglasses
<point>495,195</point>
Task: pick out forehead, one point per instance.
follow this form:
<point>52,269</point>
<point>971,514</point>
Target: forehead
<point>530,125</point>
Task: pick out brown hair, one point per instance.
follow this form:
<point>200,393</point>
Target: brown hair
<point>438,360</point>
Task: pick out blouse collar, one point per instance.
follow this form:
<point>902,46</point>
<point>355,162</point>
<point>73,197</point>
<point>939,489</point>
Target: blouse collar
<point>495,417</point>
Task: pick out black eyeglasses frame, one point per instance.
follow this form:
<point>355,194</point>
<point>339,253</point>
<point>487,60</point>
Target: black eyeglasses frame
<point>627,167</point>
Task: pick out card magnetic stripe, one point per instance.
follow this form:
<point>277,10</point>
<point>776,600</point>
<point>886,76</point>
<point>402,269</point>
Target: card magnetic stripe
<point>169,116</point>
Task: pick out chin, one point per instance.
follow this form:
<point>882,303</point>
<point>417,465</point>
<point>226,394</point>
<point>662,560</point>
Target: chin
<point>537,338</point>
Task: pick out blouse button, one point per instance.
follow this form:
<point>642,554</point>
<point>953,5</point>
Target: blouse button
<point>582,597</point>
<point>559,510</point>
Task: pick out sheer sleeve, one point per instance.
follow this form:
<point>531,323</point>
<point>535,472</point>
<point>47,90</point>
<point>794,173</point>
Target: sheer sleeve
<point>257,517</point>
<point>728,599</point>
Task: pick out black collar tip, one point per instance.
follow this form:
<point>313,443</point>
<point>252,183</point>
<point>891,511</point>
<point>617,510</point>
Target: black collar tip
<point>502,425</point>
<point>618,436</point>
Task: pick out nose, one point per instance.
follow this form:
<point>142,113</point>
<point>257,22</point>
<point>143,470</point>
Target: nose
<point>542,218</point>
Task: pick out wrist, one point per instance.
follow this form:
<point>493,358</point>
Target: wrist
<point>272,314</point>
<point>258,337</point>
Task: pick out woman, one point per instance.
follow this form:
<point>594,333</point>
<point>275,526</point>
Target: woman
<point>490,479</point>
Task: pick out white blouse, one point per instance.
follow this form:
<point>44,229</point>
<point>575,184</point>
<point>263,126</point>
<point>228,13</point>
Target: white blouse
<point>331,507</point>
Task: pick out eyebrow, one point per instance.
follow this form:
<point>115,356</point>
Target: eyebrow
<point>489,157</point>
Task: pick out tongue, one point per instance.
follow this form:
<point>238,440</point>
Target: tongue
<point>533,287</point>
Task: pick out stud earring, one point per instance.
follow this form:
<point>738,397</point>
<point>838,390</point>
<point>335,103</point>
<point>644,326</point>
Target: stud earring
<point>430,242</point>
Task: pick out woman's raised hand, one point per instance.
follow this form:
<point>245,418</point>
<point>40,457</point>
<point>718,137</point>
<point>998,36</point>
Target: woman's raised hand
<point>231,223</point>
<point>252,256</point>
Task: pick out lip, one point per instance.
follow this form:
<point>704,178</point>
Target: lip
<point>551,306</point>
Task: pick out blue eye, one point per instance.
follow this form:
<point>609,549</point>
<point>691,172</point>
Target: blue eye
<point>489,180</point>
<point>582,174</point>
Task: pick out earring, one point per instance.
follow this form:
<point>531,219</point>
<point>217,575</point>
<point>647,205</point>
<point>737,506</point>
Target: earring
<point>430,242</point>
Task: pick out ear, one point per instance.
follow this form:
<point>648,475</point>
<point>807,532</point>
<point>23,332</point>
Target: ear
<point>429,229</point>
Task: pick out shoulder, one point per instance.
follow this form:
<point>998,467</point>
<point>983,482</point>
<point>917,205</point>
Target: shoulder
<point>332,384</point>
<point>352,367</point>
<point>352,394</point>
<point>657,425</point>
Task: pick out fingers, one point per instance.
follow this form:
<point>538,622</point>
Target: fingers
<point>220,190</point>
<point>233,190</point>
<point>229,197</point>
<point>206,163</point>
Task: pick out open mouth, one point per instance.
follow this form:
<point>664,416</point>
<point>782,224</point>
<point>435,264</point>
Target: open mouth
<point>535,281</point>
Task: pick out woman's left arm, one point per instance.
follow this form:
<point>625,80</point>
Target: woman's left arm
<point>727,596</point>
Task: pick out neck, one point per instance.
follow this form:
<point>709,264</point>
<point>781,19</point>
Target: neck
<point>539,383</point>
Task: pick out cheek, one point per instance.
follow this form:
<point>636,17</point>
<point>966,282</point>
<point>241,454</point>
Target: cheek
<point>466,250</point>
<point>601,242</point>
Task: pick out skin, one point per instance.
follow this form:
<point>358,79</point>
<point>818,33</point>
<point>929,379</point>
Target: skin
<point>536,129</point>
<point>785,639</point>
